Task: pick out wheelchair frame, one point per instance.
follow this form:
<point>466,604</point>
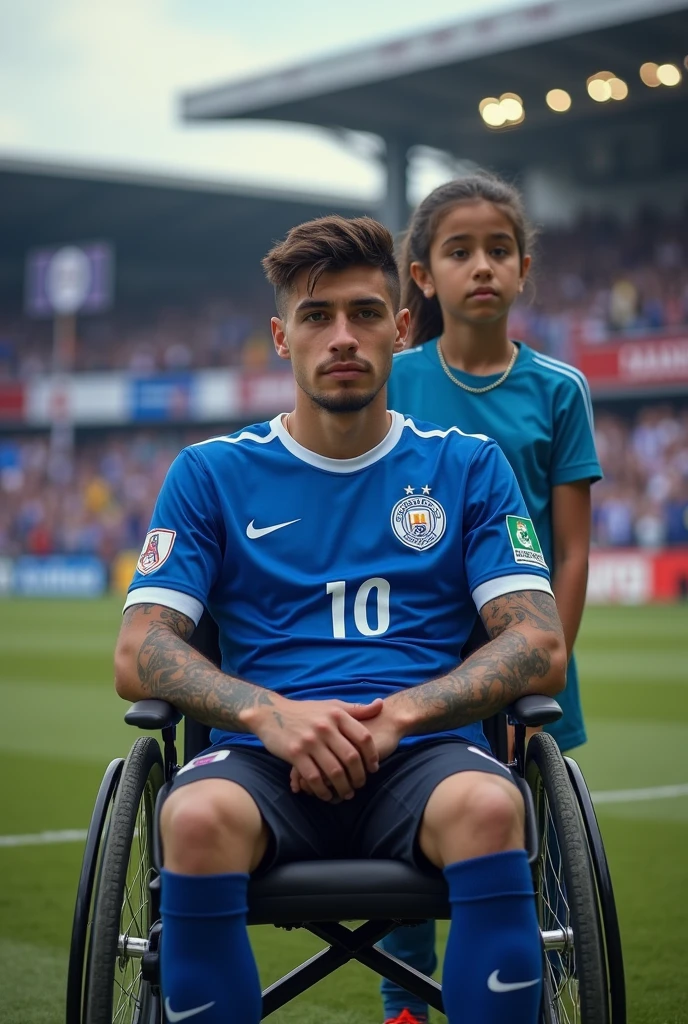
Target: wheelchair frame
<point>383,893</point>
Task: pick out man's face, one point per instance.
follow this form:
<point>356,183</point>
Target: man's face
<point>341,339</point>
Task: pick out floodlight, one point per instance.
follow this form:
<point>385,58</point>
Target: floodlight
<point>668,74</point>
<point>558,100</point>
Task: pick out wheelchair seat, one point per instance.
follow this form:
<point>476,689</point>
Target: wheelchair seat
<point>305,890</point>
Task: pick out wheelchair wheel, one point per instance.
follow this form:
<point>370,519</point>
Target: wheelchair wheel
<point>115,990</point>
<point>83,908</point>
<point>575,982</point>
<point>605,895</point>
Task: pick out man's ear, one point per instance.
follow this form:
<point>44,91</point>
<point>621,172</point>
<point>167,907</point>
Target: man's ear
<point>403,322</point>
<point>279,337</point>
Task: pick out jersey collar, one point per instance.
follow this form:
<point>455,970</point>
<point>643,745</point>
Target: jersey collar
<point>340,465</point>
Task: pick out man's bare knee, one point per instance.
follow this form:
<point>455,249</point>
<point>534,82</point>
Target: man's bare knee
<point>471,814</point>
<point>212,826</point>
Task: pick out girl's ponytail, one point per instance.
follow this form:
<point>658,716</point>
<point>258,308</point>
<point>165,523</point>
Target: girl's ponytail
<point>426,315</point>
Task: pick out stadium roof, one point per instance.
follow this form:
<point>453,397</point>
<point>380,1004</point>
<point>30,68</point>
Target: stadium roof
<point>164,229</point>
<point>425,89</point>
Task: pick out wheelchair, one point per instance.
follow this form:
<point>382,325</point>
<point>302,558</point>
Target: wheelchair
<point>114,976</point>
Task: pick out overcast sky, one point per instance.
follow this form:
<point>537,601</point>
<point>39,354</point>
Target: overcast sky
<point>98,83</point>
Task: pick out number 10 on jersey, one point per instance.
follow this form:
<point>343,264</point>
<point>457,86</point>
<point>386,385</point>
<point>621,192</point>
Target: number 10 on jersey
<point>337,591</point>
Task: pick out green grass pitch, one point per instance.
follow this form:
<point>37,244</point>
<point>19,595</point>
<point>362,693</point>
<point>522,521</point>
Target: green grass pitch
<point>61,722</point>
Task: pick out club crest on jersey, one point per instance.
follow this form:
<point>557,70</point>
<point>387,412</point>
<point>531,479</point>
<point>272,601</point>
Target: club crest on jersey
<point>156,550</point>
<point>418,520</point>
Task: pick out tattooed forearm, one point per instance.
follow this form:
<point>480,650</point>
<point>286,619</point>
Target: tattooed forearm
<point>179,623</point>
<point>169,669</point>
<point>530,607</point>
<point>525,655</point>
<point>491,678</point>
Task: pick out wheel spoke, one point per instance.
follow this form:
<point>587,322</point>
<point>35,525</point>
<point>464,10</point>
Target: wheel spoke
<point>116,986</point>
<point>126,999</point>
<point>134,920</point>
<point>555,913</point>
<point>576,980</point>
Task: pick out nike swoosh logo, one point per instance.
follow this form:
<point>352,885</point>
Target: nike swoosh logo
<point>253,532</point>
<point>183,1014</point>
<point>495,985</point>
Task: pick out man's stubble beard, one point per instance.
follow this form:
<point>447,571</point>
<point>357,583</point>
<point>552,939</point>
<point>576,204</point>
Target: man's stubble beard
<point>346,401</point>
<point>343,402</point>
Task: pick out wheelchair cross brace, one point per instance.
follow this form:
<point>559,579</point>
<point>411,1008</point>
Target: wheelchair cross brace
<point>351,944</point>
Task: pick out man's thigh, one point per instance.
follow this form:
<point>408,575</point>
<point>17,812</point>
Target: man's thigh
<point>400,791</point>
<point>298,825</point>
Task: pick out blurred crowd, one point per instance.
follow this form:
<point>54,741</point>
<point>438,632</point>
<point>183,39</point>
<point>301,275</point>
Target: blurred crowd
<point>606,278</point>
<point>98,502</point>
<point>103,505</point>
<point>643,499</point>
<point>601,278</point>
<point>213,333</point>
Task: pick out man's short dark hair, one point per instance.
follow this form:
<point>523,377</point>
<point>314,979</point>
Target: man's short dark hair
<point>331,244</point>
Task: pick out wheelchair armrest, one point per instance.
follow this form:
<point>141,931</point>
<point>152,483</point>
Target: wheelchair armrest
<point>152,714</point>
<point>534,709</point>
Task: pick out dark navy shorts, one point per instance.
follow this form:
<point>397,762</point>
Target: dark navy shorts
<point>382,819</point>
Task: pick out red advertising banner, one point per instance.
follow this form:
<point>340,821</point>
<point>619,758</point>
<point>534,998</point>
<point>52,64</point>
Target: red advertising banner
<point>637,363</point>
<point>12,402</point>
<point>670,579</point>
<point>632,576</point>
<point>266,394</point>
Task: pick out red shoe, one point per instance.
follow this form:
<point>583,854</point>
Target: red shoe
<point>406,1017</point>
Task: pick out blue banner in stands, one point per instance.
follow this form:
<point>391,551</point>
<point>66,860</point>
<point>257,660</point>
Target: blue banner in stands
<point>59,576</point>
<point>161,398</point>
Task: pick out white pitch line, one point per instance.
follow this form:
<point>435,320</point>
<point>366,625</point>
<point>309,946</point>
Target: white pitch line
<point>70,835</point>
<point>631,796</point>
<point>609,796</point>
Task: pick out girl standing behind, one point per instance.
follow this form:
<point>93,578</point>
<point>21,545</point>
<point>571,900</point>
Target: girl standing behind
<point>464,262</point>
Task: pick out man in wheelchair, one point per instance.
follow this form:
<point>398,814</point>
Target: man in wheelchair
<point>345,553</point>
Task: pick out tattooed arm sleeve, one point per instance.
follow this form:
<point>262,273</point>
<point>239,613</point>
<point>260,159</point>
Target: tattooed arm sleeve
<point>153,659</point>
<point>526,654</point>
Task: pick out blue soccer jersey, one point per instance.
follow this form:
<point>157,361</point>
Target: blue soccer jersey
<point>332,578</point>
<point>541,417</point>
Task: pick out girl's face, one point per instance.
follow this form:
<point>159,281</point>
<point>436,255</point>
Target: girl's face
<point>475,269</point>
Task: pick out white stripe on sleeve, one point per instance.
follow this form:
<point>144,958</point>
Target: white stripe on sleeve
<point>175,599</point>
<point>491,589</point>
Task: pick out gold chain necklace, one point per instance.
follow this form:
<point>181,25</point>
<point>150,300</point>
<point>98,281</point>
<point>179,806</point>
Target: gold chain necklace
<point>467,387</point>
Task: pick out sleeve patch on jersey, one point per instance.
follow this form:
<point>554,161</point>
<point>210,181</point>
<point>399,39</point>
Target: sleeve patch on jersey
<point>211,758</point>
<point>526,546</point>
<point>155,551</point>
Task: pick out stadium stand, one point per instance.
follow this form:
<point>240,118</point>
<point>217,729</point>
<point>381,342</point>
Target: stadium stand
<point>605,279</point>
<point>184,350</point>
<point>105,506</point>
<point>217,332</point>
<point>601,279</point>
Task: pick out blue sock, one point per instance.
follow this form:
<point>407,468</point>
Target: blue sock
<point>493,964</point>
<point>206,960</point>
<point>415,945</point>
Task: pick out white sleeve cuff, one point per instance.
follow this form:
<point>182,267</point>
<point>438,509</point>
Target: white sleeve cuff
<point>175,599</point>
<point>491,589</point>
